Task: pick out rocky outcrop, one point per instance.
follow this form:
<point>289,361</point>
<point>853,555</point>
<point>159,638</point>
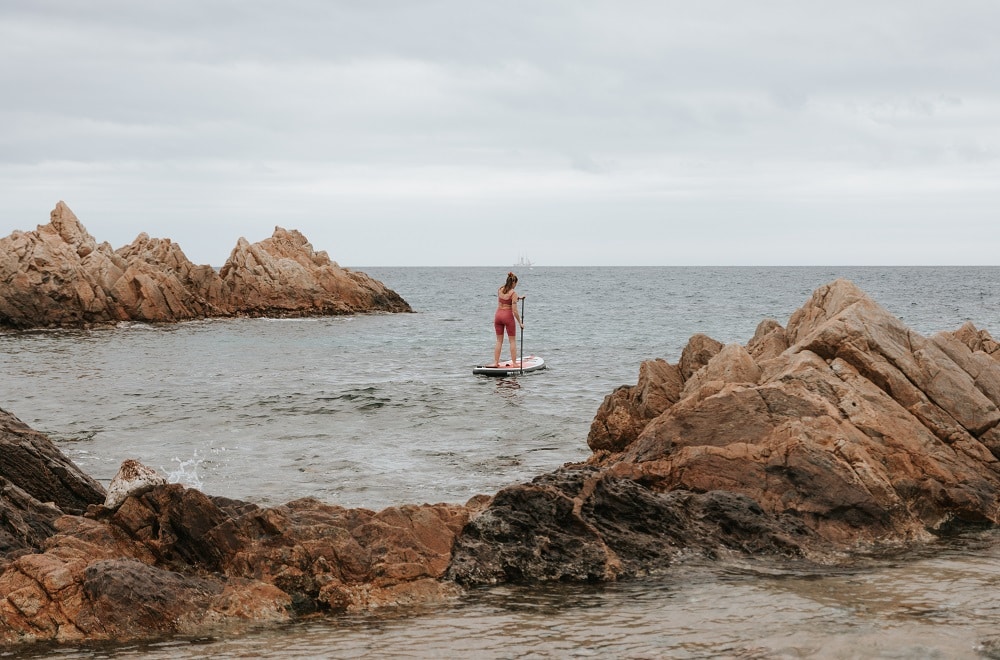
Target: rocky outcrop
<point>37,485</point>
<point>282,275</point>
<point>842,430</point>
<point>164,559</point>
<point>582,523</point>
<point>59,276</point>
<point>171,560</point>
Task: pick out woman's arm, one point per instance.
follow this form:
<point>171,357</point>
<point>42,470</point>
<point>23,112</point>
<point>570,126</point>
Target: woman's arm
<point>513,306</point>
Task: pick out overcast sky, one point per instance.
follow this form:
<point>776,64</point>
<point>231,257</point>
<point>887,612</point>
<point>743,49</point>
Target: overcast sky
<point>471,133</point>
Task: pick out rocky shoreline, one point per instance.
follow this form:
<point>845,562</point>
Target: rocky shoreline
<point>840,432</point>
<point>59,276</point>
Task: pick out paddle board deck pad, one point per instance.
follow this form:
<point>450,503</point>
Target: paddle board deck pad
<point>508,368</point>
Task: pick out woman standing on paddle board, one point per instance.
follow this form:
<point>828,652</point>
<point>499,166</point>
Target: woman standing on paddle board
<point>505,318</point>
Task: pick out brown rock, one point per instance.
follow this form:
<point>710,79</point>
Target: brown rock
<point>25,522</point>
<point>977,340</point>
<point>732,364</point>
<point>859,432</point>
<point>58,275</point>
<point>284,276</point>
<point>627,410</point>
<point>345,559</point>
<point>699,350</point>
<point>585,524</point>
<point>32,463</point>
<point>171,560</point>
<point>769,341</point>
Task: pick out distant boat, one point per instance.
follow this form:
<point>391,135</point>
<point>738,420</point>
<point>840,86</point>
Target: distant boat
<point>523,262</point>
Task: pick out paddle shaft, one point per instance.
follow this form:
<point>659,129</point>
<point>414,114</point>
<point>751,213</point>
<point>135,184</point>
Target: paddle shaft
<point>522,336</point>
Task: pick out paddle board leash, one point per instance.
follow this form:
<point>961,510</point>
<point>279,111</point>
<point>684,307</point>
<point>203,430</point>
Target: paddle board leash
<point>522,335</point>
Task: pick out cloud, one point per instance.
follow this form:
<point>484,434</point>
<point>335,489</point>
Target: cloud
<point>445,122</point>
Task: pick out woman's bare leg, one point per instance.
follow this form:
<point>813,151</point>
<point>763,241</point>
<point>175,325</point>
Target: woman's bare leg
<point>496,351</point>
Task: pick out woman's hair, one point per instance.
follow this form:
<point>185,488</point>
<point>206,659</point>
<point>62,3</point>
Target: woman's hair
<point>511,281</point>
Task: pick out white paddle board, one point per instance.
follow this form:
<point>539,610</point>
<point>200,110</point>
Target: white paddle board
<point>508,368</point>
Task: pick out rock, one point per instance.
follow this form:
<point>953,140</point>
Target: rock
<point>32,463</point>
<point>133,478</point>
<point>732,364</point>
<point>59,276</point>
<point>171,560</point>
<point>82,592</point>
<point>769,341</point>
<point>25,523</point>
<point>699,350</point>
<point>284,276</point>
<point>851,430</point>
<point>626,411</point>
<point>328,557</point>
<point>38,484</point>
<point>584,524</point>
<point>977,340</point>
<point>858,434</point>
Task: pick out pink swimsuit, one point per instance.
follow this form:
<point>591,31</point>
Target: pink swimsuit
<point>504,317</point>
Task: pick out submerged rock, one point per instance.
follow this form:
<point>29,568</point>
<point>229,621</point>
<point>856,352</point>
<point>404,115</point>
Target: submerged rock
<point>59,276</point>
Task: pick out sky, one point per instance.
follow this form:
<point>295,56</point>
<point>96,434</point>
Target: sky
<point>472,133</point>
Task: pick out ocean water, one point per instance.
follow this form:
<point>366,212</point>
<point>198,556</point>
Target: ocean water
<point>383,409</point>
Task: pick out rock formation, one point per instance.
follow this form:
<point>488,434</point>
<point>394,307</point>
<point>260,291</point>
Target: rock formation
<point>171,560</point>
<point>37,485</point>
<point>133,478</point>
<point>59,276</point>
<point>842,431</point>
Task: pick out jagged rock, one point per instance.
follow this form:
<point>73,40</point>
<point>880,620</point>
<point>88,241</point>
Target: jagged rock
<point>59,276</point>
<point>732,364</point>
<point>37,485</point>
<point>172,560</point>
<point>860,431</point>
<point>283,275</point>
<point>328,557</point>
<point>133,478</point>
<point>31,462</point>
<point>769,341</point>
<point>585,524</point>
<point>25,523</point>
<point>94,583</point>
<point>696,354</point>
<point>625,412</point>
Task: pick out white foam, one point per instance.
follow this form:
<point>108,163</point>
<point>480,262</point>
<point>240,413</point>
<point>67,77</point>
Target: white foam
<point>186,473</point>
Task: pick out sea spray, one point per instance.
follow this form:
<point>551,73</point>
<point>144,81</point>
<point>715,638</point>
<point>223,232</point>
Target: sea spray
<point>186,473</point>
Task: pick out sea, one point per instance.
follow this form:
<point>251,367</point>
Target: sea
<point>383,409</point>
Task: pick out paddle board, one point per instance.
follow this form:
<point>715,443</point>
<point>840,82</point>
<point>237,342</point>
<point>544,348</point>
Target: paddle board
<point>508,368</point>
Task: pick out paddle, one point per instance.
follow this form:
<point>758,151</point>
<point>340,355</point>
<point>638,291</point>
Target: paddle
<point>522,335</point>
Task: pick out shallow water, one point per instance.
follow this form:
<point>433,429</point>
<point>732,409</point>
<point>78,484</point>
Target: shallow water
<point>383,409</point>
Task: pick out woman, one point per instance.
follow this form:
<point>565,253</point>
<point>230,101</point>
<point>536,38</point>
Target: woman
<point>505,317</point>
